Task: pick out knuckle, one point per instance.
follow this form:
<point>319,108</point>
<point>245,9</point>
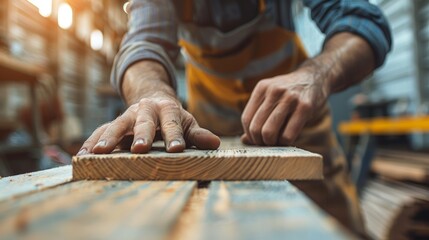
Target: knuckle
<point>255,131</point>
<point>267,133</point>
<point>102,127</point>
<point>172,124</point>
<point>291,98</point>
<point>245,120</point>
<point>174,133</point>
<point>119,124</point>
<point>276,91</point>
<point>144,102</point>
<point>305,106</point>
<point>145,122</point>
<point>262,85</point>
<point>168,104</point>
<point>133,108</point>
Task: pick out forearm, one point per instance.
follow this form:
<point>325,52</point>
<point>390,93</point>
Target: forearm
<point>345,60</point>
<point>143,79</point>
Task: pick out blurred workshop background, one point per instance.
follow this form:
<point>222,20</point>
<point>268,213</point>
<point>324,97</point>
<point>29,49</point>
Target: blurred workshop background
<point>55,60</point>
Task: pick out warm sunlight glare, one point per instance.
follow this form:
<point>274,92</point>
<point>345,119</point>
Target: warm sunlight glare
<point>65,16</point>
<point>44,6</point>
<point>96,40</point>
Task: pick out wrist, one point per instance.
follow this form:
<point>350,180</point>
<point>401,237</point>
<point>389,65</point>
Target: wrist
<point>146,79</point>
<point>320,73</point>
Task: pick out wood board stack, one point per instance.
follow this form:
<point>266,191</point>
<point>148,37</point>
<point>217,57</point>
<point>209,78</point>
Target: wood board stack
<point>396,210</point>
<point>402,165</point>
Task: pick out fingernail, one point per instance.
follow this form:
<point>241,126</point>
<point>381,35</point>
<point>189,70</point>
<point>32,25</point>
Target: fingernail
<point>174,143</point>
<point>101,143</point>
<point>83,151</point>
<point>140,142</point>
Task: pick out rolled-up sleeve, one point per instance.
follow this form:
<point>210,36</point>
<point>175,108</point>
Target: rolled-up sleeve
<point>356,16</point>
<point>152,35</point>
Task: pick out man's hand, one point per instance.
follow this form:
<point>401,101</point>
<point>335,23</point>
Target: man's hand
<point>157,109</point>
<point>279,107</point>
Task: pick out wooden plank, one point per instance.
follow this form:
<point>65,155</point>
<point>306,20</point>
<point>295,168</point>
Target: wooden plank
<point>401,165</point>
<point>21,184</point>
<point>96,210</point>
<point>245,163</point>
<point>264,210</point>
<point>400,170</point>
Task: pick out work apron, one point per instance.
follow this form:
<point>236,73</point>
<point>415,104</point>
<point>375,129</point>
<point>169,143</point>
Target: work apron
<point>221,77</point>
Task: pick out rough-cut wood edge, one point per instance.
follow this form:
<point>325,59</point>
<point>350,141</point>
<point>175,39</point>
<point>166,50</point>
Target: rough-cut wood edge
<point>206,165</point>
<point>18,185</point>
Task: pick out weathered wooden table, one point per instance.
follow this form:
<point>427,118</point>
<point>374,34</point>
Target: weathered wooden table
<point>49,205</point>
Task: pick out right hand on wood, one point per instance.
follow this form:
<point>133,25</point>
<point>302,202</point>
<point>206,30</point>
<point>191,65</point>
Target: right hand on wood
<point>159,112</point>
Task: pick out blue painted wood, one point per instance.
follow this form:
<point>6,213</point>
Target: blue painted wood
<point>265,210</point>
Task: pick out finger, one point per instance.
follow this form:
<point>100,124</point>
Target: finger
<point>171,128</point>
<point>144,129</point>
<point>275,122</point>
<point>114,133</point>
<point>260,117</point>
<point>245,139</point>
<point>295,125</point>
<point>256,98</point>
<point>199,137</point>
<point>89,144</point>
<point>203,139</point>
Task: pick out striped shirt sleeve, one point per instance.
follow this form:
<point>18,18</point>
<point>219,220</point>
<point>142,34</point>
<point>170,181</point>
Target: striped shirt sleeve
<point>152,35</point>
<point>356,16</point>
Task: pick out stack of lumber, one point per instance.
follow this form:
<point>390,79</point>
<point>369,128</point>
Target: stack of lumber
<point>396,210</point>
<point>402,165</point>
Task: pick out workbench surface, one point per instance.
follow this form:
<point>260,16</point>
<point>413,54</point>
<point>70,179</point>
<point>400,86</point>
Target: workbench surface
<point>48,205</point>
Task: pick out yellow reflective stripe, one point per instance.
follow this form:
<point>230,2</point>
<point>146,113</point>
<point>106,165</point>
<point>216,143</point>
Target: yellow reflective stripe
<point>215,89</point>
<point>256,67</point>
<point>386,126</point>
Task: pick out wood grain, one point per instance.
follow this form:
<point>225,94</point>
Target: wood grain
<point>395,210</point>
<point>401,165</point>
<point>264,210</point>
<point>29,182</point>
<point>236,163</point>
<point>96,210</point>
<point>233,161</point>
